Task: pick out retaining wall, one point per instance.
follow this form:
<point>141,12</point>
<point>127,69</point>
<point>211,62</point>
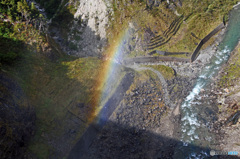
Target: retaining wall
<point>204,40</point>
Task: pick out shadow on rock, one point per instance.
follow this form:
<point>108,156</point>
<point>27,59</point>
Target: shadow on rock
<point>119,141</point>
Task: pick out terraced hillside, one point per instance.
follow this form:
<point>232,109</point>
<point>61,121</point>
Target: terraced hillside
<point>166,36</point>
<point>170,26</point>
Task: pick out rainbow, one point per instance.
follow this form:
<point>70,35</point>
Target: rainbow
<point>112,57</point>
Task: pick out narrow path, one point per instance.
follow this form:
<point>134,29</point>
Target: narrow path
<point>161,78</point>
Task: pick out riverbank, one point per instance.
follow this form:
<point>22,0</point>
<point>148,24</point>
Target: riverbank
<point>187,69</point>
<point>228,100</point>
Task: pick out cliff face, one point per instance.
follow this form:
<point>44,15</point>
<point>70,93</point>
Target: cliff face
<point>84,33</point>
<point>94,14</point>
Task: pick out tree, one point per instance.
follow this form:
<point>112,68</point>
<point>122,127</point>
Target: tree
<point>34,11</point>
<point>41,21</point>
<point>23,8</point>
<point>33,7</point>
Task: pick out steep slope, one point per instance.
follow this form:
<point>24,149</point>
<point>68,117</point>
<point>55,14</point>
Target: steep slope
<point>17,119</point>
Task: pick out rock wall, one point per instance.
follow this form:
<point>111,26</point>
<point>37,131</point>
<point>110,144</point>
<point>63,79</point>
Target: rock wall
<point>84,33</point>
<point>94,16</point>
<point>95,13</point>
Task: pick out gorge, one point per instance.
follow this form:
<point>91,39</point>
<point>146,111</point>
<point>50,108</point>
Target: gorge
<point>88,79</point>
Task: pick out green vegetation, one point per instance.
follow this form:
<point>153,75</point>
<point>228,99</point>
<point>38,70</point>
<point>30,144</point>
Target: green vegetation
<point>138,13</point>
<point>9,50</point>
<point>204,16</point>
<point>16,39</point>
<point>55,90</point>
<point>58,91</point>
<point>63,21</point>
<point>18,28</point>
<point>20,37</point>
<point>18,11</point>
<point>167,72</point>
<point>66,86</point>
<point>231,73</point>
<point>228,82</point>
<point>52,6</point>
<point>142,77</point>
<point>200,18</point>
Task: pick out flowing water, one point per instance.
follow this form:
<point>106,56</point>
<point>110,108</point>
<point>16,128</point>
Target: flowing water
<point>195,128</point>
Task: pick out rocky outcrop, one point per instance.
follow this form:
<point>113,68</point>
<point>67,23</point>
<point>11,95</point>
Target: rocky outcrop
<point>94,13</point>
<point>161,78</point>
<point>84,33</point>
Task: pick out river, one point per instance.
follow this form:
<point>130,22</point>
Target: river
<point>196,112</point>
